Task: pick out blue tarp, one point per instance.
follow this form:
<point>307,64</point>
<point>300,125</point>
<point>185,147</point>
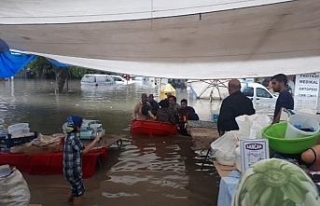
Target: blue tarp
<point>11,63</point>
<point>58,64</point>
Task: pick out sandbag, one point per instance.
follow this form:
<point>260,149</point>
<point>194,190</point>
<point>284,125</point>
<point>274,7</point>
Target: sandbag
<point>14,190</point>
<point>43,143</point>
<point>226,143</point>
<point>223,148</point>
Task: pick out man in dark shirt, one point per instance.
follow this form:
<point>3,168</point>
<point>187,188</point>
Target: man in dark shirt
<point>236,104</point>
<point>154,104</point>
<point>187,112</point>
<point>285,99</point>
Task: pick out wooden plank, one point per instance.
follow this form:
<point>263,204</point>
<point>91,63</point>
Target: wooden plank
<point>201,124</point>
<point>204,132</point>
<point>223,170</point>
<point>203,137</point>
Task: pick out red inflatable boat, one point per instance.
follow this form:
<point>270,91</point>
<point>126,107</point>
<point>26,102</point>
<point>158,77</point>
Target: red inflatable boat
<point>155,128</point>
<point>50,163</point>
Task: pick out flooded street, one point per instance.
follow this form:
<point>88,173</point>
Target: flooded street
<point>35,102</point>
<point>144,171</point>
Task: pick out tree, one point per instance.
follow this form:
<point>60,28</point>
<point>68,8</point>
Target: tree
<point>44,69</point>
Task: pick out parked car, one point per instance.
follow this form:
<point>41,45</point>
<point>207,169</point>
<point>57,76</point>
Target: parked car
<point>262,98</point>
<point>121,81</point>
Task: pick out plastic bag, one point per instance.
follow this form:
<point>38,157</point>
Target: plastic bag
<point>259,121</point>
<point>14,190</point>
<point>250,126</point>
<point>223,148</point>
<point>244,124</point>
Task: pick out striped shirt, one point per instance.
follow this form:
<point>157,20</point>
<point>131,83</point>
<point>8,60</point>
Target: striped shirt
<point>72,156</point>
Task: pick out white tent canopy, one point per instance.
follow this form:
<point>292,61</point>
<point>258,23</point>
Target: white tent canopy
<point>205,39</point>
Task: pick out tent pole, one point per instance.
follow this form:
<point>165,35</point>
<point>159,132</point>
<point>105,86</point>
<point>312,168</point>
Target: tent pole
<point>56,90</point>
<point>68,83</point>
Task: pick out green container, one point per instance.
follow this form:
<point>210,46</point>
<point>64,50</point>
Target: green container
<point>275,134</point>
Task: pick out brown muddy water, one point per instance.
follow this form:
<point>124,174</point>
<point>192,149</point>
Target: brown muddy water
<point>145,171</point>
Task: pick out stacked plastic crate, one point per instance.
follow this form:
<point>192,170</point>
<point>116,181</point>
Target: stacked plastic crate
<point>15,135</point>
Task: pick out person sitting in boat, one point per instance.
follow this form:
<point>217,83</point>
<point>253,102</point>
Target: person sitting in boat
<point>173,103</point>
<point>168,94</point>
<point>164,114</point>
<point>142,110</point>
<point>174,106</point>
<point>154,104</point>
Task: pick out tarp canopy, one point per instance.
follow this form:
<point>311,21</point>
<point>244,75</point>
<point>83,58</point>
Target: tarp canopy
<point>11,63</point>
<point>58,64</point>
<point>204,39</point>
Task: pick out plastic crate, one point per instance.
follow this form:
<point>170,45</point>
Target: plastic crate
<point>19,128</point>
<point>16,141</point>
<point>87,134</point>
<point>90,133</point>
<point>3,143</point>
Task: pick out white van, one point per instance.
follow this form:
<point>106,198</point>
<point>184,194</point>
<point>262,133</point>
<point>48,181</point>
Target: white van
<point>96,80</point>
<point>262,98</point>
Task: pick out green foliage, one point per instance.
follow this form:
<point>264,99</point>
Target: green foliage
<point>78,72</point>
<point>42,68</point>
<point>38,62</point>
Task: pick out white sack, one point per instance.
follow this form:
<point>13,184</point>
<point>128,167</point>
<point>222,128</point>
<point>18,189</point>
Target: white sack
<point>223,148</point>
<point>14,189</point>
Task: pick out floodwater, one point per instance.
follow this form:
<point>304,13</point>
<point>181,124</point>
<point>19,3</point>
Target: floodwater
<point>144,171</point>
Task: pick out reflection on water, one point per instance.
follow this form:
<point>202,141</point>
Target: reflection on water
<point>145,171</point>
<point>157,171</point>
